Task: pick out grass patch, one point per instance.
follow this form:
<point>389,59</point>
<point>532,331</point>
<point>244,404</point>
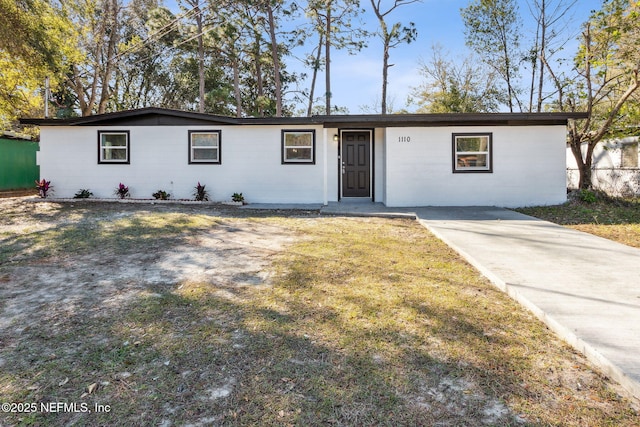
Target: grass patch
<point>612,219</point>
<point>363,322</point>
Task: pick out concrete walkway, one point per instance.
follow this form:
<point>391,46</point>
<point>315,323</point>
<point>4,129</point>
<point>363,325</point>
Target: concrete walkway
<point>585,288</point>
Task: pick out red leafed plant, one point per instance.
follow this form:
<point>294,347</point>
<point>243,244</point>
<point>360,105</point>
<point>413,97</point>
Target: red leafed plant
<point>200,193</point>
<point>43,187</point>
<point>122,191</point>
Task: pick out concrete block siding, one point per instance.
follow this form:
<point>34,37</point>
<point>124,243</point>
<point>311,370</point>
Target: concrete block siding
<point>411,162</point>
<point>528,168</point>
<point>251,164</point>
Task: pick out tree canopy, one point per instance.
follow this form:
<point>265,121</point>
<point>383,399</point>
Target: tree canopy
<point>36,41</point>
<point>234,58</point>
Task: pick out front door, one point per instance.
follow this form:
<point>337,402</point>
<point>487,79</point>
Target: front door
<point>356,164</point>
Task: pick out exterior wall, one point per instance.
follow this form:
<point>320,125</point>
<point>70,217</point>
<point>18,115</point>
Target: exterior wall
<point>332,165</point>
<point>18,169</point>
<point>251,164</point>
<point>607,174</point>
<point>379,171</point>
<point>528,168</point>
<point>412,165</point>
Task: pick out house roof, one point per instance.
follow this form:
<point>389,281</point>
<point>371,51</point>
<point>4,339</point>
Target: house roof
<point>7,134</point>
<point>153,116</point>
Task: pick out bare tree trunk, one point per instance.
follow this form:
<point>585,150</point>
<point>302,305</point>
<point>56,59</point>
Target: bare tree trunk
<point>111,49</point>
<point>542,53</point>
<point>276,60</point>
<point>316,67</point>
<point>385,79</point>
<point>507,65</point>
<point>236,86</point>
<point>200,57</point>
<point>258,69</point>
<point>327,69</point>
<point>391,39</point>
<point>534,62</point>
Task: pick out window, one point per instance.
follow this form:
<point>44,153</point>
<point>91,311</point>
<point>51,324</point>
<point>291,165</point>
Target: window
<point>113,146</point>
<point>472,152</point>
<point>299,146</point>
<point>629,155</point>
<point>204,146</point>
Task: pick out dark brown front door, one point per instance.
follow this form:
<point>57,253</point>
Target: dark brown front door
<point>356,164</point>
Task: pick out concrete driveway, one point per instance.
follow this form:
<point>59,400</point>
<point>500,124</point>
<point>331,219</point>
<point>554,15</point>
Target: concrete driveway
<point>585,288</point>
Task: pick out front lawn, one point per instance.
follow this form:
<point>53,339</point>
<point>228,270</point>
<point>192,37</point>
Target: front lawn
<point>172,315</point>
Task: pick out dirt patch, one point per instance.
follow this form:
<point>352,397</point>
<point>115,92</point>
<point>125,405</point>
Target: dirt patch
<point>232,253</point>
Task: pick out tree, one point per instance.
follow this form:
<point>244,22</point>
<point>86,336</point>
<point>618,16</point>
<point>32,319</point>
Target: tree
<point>275,56</point>
<point>608,77</point>
<point>98,35</point>
<point>492,29</point>
<point>34,31</point>
<point>35,41</point>
<point>198,14</point>
<point>465,87</point>
<point>142,73</point>
<point>391,38</point>
<point>332,21</point>
<point>550,17</point>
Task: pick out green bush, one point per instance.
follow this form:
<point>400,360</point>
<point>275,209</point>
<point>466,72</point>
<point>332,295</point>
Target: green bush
<point>161,195</point>
<point>587,196</point>
<point>83,193</point>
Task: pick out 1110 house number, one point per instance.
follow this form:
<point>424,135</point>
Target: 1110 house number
<point>404,139</point>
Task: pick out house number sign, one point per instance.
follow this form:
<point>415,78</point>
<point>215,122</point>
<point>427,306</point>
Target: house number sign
<point>404,139</point>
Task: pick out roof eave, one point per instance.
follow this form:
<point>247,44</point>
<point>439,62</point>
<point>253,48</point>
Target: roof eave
<point>333,121</point>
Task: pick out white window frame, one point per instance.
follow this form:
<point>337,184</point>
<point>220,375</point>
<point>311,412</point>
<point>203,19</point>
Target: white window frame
<point>102,159</point>
<point>286,159</point>
<point>458,168</point>
<point>217,147</point>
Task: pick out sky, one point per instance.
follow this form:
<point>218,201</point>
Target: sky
<point>356,80</point>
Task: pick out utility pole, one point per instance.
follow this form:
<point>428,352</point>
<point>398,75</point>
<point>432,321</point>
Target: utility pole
<point>47,91</point>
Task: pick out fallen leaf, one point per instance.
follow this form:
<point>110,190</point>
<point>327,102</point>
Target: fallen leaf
<point>92,388</point>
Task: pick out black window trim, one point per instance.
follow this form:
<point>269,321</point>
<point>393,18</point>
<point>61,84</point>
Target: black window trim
<point>454,152</point>
<point>196,162</point>
<point>111,162</point>
<point>284,161</point>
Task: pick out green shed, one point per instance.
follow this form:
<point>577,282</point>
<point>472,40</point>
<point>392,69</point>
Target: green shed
<point>18,168</point>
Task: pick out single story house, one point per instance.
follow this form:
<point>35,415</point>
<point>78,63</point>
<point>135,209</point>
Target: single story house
<point>615,167</point>
<point>499,159</point>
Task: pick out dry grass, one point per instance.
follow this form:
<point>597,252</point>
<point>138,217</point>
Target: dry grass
<point>612,219</point>
<point>364,322</point>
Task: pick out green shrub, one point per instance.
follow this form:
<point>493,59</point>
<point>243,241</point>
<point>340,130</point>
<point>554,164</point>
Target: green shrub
<point>161,195</point>
<point>83,193</point>
<point>587,196</point>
